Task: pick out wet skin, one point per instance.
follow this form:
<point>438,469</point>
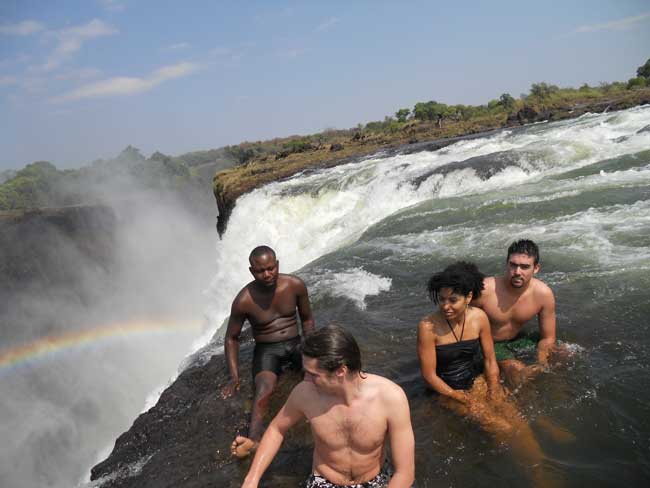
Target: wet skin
<point>512,300</point>
<point>351,417</point>
<point>269,303</point>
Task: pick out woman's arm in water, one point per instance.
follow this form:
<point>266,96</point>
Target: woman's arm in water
<point>491,367</point>
<point>427,356</point>
<point>272,439</point>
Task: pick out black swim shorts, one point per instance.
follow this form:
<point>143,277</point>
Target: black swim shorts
<point>317,481</point>
<point>274,356</point>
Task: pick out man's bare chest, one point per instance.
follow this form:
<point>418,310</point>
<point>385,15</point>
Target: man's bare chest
<point>509,311</point>
<point>361,429</point>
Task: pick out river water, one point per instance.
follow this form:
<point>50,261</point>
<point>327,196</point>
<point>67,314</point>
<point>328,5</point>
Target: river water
<point>365,237</point>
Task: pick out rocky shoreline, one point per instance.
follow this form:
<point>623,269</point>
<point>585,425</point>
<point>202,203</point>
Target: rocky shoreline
<point>230,184</point>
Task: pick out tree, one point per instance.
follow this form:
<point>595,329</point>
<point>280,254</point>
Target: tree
<point>638,82</point>
<point>542,90</point>
<point>506,101</point>
<point>644,70</point>
<point>402,114</point>
<point>431,110</point>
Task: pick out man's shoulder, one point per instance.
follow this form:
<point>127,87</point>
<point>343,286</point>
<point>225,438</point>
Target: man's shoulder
<point>489,283</point>
<point>243,295</point>
<point>293,282</point>
<point>542,290</point>
<point>303,393</point>
<point>388,389</point>
<point>489,287</point>
<point>289,278</point>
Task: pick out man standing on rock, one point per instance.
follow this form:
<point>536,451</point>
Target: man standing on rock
<point>512,300</point>
<point>269,303</point>
<point>351,415</point>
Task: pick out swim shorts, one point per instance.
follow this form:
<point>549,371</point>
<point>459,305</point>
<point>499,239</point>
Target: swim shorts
<point>273,356</point>
<point>317,481</point>
<point>508,349</point>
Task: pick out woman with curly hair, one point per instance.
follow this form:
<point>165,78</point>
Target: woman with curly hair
<point>450,341</point>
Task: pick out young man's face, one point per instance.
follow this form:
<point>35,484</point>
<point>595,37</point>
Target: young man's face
<point>520,269</point>
<point>322,379</point>
<point>265,269</point>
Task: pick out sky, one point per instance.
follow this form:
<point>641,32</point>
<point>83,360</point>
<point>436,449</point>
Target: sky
<point>81,80</point>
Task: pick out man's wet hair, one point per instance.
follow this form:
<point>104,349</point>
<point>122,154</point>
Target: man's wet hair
<point>260,251</point>
<point>524,246</point>
<point>332,346</point>
<point>462,277</point>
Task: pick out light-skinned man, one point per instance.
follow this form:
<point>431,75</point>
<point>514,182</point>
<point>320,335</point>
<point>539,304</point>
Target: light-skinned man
<point>351,415</point>
<point>512,300</point>
<point>269,303</point>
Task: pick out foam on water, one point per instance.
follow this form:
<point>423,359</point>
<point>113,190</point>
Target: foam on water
<point>590,235</point>
<point>308,216</point>
<point>354,284</point>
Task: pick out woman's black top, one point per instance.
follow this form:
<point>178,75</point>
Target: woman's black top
<point>458,363</point>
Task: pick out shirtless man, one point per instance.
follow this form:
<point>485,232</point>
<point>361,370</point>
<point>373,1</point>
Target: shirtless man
<point>269,303</point>
<point>512,300</point>
<point>351,415</point>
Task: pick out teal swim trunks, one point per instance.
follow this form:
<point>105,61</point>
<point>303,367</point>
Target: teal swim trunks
<point>508,349</point>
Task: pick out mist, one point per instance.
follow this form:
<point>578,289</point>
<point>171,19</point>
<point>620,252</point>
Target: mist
<point>132,268</point>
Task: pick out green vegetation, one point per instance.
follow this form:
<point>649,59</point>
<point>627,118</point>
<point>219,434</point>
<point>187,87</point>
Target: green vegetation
<point>41,184</point>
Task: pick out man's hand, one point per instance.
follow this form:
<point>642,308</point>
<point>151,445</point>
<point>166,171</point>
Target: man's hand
<point>230,389</point>
<point>532,370</point>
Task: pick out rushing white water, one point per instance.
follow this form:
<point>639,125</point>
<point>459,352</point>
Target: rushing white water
<point>365,236</point>
<point>311,215</point>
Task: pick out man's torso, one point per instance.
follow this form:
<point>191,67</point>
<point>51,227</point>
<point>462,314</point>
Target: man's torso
<point>349,439</point>
<point>272,313</point>
<point>507,311</point>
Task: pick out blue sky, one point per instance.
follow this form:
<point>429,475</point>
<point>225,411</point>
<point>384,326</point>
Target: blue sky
<point>82,80</point>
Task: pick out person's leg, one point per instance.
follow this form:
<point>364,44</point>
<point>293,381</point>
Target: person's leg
<point>265,382</point>
<point>513,372</point>
<point>502,418</point>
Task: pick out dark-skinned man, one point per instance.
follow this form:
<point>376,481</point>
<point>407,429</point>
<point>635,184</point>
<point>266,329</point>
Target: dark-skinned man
<point>269,303</point>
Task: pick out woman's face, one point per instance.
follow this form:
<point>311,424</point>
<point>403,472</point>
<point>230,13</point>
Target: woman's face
<point>452,305</point>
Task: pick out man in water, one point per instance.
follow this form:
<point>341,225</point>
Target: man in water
<point>351,415</point>
<point>512,300</point>
<point>269,303</point>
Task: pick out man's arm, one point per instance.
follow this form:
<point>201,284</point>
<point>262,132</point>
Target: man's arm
<point>231,348</point>
<point>402,442</point>
<point>490,359</point>
<point>272,439</point>
<point>304,308</point>
<point>546,318</point>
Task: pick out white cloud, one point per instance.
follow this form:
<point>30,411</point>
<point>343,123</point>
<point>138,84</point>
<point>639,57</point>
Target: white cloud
<point>179,45</point>
<point>327,24</point>
<point>24,28</point>
<point>124,86</point>
<point>621,24</point>
<point>71,40</point>
<point>8,80</point>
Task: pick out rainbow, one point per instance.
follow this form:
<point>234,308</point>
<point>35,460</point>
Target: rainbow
<point>49,345</point>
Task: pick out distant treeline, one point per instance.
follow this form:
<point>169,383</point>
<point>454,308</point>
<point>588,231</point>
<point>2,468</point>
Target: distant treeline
<point>41,184</point>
